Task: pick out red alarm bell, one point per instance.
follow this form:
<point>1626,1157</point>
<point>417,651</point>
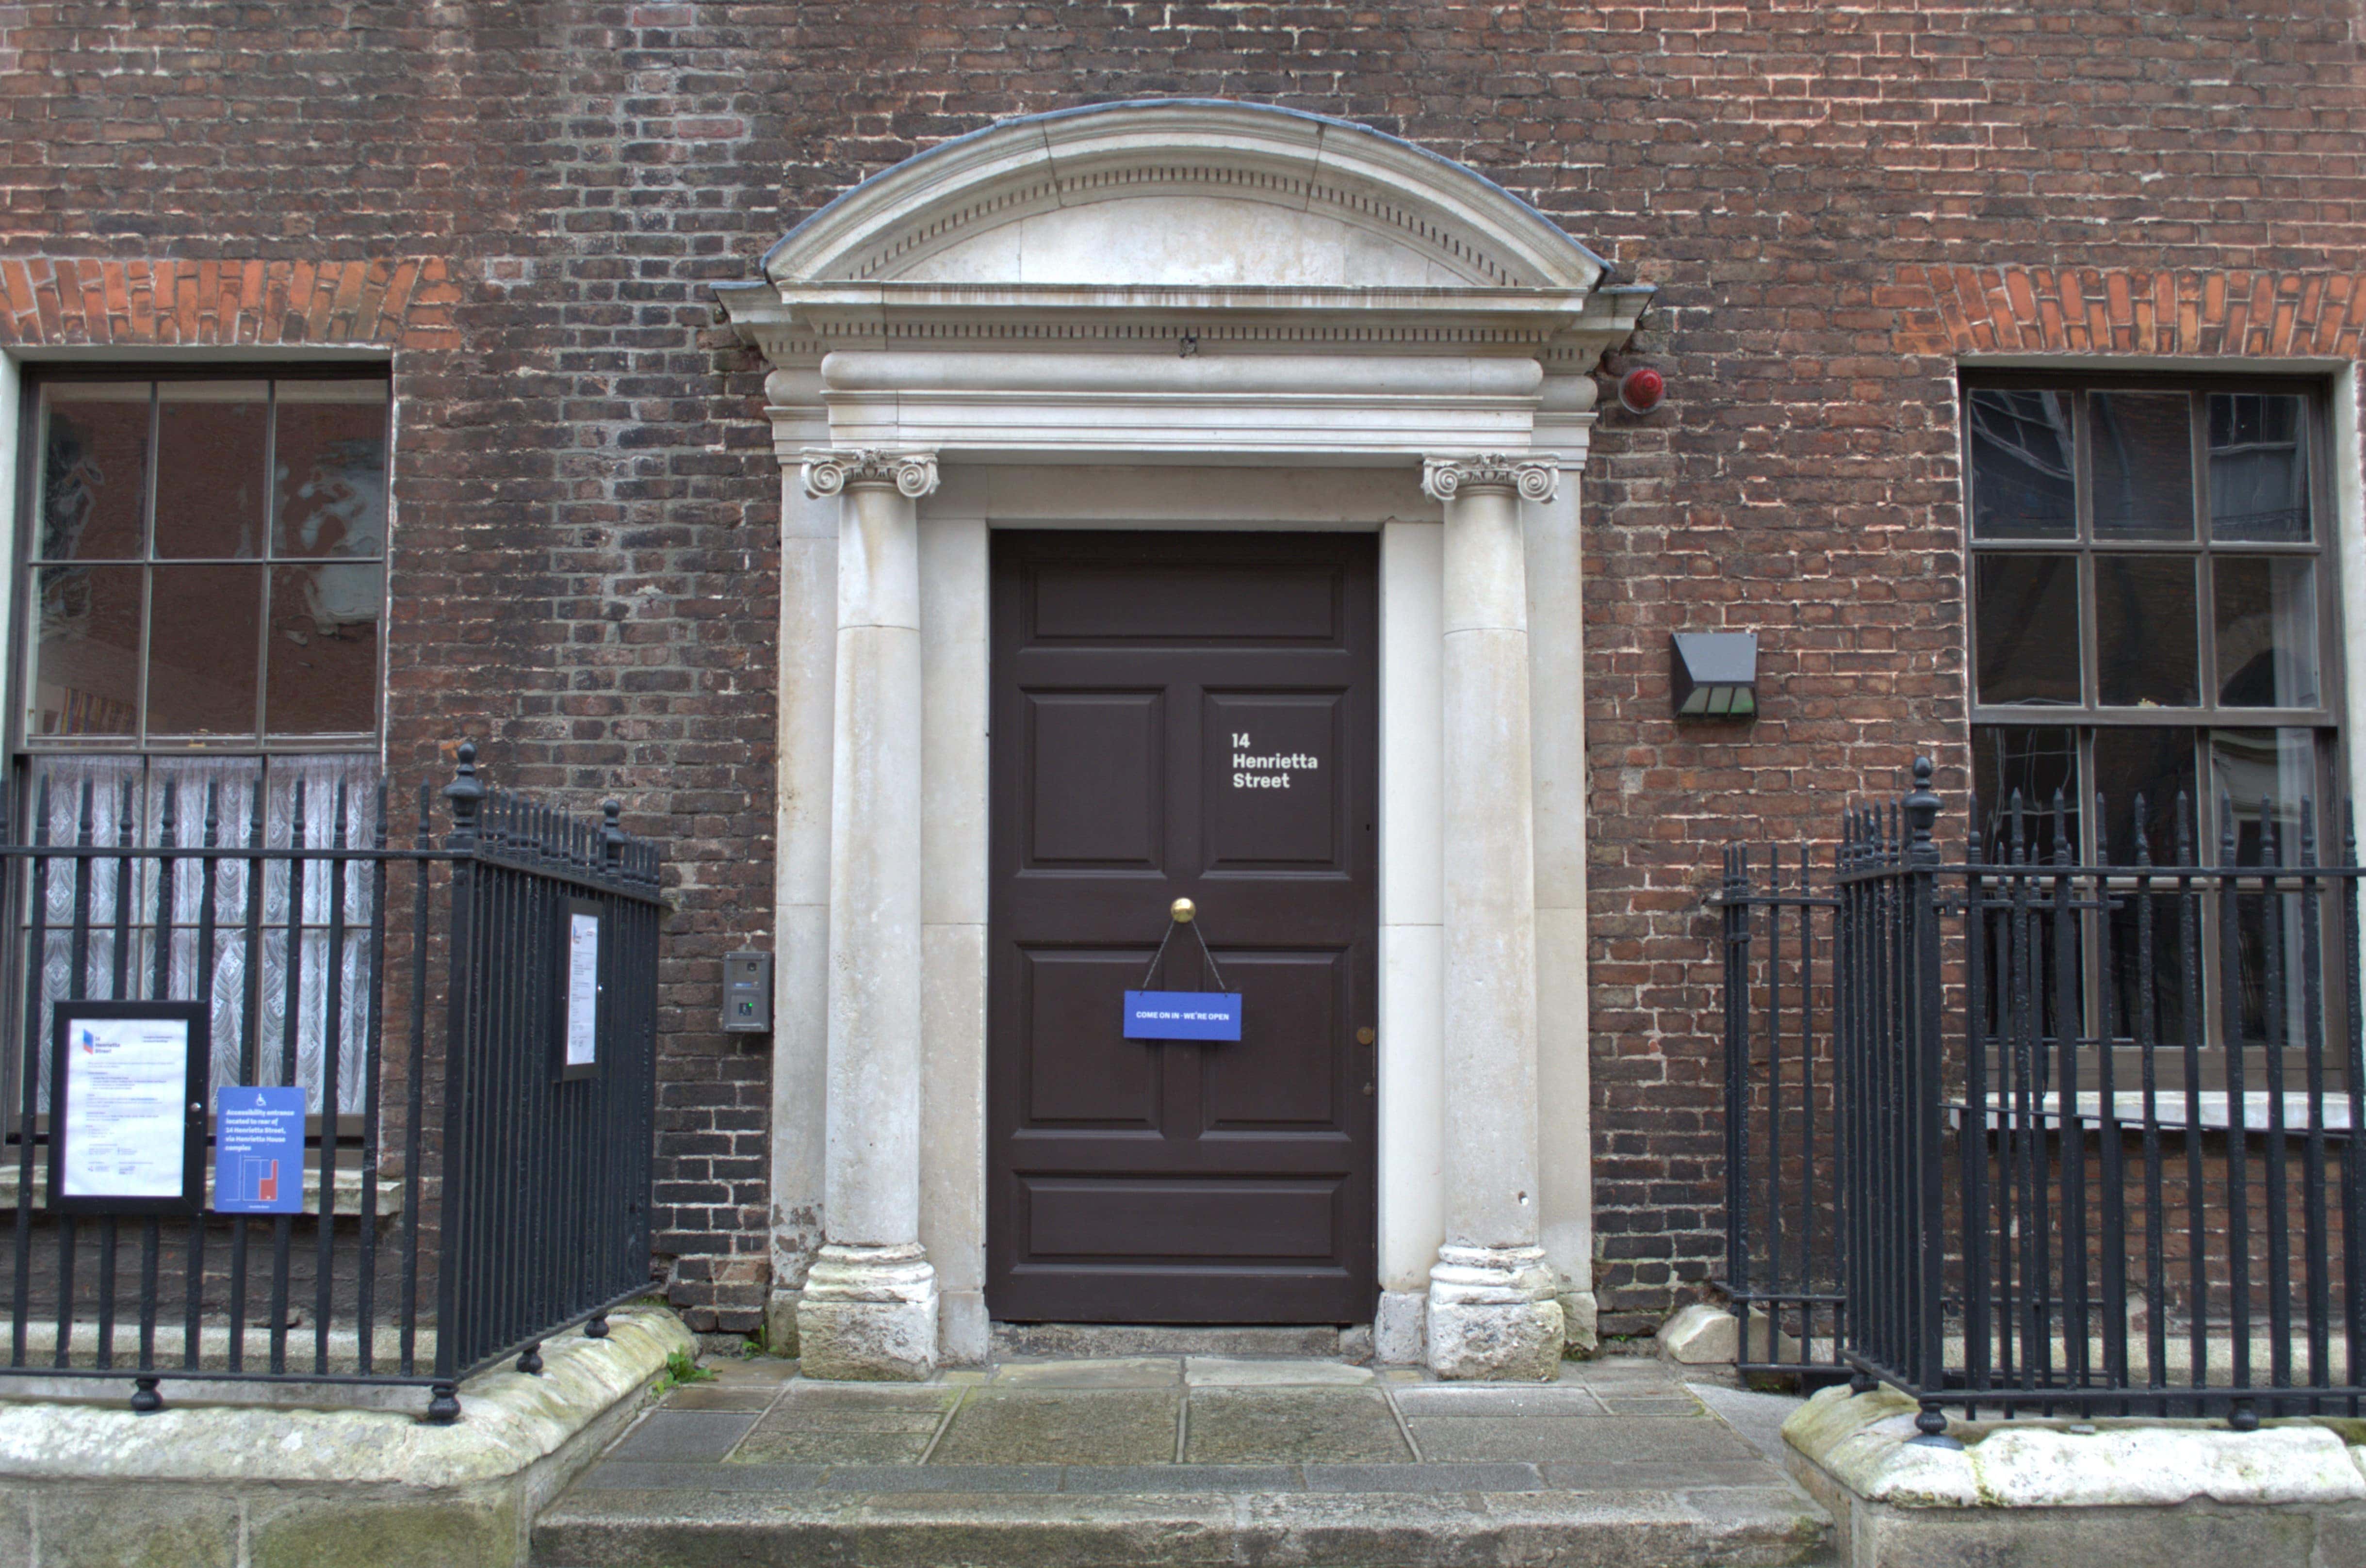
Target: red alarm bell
<point>1641,390</point>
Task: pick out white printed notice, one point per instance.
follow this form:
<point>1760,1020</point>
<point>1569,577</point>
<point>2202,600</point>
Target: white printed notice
<point>126,1122</point>
<point>582,989</point>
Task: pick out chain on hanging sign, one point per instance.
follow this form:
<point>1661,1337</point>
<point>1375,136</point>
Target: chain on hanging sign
<point>1182,1014</point>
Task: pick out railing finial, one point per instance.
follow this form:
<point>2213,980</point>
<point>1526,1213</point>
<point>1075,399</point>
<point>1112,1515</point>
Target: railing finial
<point>466,793</point>
<point>1921,813</point>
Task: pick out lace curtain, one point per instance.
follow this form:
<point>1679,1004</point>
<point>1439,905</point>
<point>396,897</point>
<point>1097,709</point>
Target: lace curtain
<point>129,797</point>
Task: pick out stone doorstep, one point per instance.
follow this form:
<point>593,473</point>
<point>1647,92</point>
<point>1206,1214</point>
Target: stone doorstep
<point>1640,1529</point>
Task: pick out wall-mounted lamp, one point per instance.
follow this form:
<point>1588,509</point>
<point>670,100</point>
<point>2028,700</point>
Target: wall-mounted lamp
<point>1715,675</point>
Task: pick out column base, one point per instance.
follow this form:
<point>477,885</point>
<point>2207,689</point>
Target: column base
<point>869,1313</point>
<point>1494,1316</point>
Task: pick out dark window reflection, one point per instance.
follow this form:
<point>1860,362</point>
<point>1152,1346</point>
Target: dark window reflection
<point>2262,779</point>
<point>322,672</point>
<point>94,472</point>
<point>2030,765</point>
<point>2267,631</point>
<point>2142,457</point>
<point>86,661</point>
<point>2147,645</point>
<point>2022,485</point>
<point>2147,780</point>
<point>2259,467</point>
<point>2034,769</point>
<point>210,443</point>
<point>2026,620</point>
<point>329,454</point>
<point>201,650</point>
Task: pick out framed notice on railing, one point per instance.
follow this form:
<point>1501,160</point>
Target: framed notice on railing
<point>576,1052</point>
<point>128,1107</point>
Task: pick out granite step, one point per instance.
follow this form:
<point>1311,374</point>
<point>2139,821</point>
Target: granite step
<point>1321,1517</point>
<point>1189,1458</point>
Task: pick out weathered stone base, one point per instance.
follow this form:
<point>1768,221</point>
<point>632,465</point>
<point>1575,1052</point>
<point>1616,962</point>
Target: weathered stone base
<point>2289,1495</point>
<point>193,1486</point>
<point>1494,1315</point>
<point>869,1313</point>
<point>781,1322</point>
<point>1580,1322</point>
<point>1700,1336</point>
<point>1400,1328</point>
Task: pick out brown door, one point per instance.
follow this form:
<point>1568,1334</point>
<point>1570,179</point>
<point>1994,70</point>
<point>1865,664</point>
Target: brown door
<point>1182,715</point>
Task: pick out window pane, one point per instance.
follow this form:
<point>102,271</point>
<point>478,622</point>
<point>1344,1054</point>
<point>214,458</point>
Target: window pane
<point>2261,778</point>
<point>2035,763</point>
<point>2026,618</point>
<point>2267,631</point>
<point>2274,767</point>
<point>322,677</point>
<point>86,664</point>
<point>2157,764</point>
<point>2147,641</point>
<point>2022,468</point>
<point>201,650</point>
<point>2147,780</point>
<point>330,456</point>
<point>93,471</point>
<point>2259,467</point>
<point>2143,445</point>
<point>210,437</point>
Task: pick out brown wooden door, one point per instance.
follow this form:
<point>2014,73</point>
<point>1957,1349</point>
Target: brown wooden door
<point>1183,715</point>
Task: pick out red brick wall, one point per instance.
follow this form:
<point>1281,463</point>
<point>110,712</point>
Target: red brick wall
<point>1834,198</point>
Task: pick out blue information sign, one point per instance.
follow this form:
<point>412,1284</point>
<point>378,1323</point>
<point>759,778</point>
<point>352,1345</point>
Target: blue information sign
<point>1182,1014</point>
<point>259,1151</point>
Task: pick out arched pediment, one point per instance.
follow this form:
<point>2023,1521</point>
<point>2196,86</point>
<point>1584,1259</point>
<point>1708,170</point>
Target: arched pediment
<point>1181,279</point>
<point>1187,193</point>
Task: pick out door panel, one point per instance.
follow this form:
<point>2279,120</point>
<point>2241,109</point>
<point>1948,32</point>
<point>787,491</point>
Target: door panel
<point>1182,715</point>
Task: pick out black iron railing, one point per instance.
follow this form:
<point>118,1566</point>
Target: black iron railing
<point>471,1021</point>
<point>2080,1133</point>
<point>1783,1243</point>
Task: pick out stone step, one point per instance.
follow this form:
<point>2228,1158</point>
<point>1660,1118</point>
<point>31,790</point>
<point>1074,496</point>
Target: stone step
<point>1018,1340</point>
<point>1324,1521</point>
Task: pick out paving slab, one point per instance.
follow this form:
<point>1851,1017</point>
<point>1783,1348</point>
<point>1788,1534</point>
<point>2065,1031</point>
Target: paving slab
<point>1539,1438</point>
<point>1180,1480</point>
<point>1470,1399</point>
<point>1331,1426</point>
<point>750,1397</point>
<point>1277,1372</point>
<point>1130,1372</point>
<point>684,1435</point>
<point>1061,1425</point>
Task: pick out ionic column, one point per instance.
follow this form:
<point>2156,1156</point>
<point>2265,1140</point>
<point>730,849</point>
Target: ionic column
<point>869,1304</point>
<point>1492,1312</point>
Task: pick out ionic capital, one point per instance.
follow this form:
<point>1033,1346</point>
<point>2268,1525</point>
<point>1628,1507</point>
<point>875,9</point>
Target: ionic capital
<point>1532,478</point>
<point>913,474</point>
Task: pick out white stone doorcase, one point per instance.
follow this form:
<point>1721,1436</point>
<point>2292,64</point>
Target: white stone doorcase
<point>1168,315</point>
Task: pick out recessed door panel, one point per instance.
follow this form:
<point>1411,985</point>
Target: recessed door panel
<point>1274,797</point>
<point>1203,601</point>
<point>1287,1073</point>
<point>1135,675</point>
<point>1094,785</point>
<point>1135,1221</point>
<point>1081,1070</point>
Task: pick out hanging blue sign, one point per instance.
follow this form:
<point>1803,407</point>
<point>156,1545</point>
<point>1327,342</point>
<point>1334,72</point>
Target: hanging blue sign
<point>1182,1014</point>
<point>259,1151</point>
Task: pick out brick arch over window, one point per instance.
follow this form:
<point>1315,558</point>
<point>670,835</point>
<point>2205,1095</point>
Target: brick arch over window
<point>403,302</point>
<point>2020,309</point>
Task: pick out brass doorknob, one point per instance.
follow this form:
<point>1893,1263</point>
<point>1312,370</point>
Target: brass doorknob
<point>1182,909</point>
